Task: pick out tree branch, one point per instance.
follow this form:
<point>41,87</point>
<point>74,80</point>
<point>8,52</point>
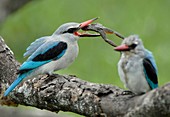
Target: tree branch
<point>68,93</point>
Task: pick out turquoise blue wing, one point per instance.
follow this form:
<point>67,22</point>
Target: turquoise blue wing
<point>15,83</point>
<point>35,45</point>
<point>49,51</point>
<point>149,56</point>
<point>150,73</point>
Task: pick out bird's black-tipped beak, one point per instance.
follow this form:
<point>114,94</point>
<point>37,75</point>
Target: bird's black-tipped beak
<point>122,47</point>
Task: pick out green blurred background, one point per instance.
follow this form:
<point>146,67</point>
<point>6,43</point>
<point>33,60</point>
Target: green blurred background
<point>97,61</point>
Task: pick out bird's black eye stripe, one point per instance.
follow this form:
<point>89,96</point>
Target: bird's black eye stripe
<point>132,46</point>
<point>70,30</point>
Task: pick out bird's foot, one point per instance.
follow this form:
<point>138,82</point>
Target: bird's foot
<point>141,93</point>
<point>127,92</point>
<point>51,75</point>
<point>73,75</point>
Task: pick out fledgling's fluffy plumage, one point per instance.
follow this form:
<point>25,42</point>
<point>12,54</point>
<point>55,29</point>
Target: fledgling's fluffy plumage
<point>137,68</point>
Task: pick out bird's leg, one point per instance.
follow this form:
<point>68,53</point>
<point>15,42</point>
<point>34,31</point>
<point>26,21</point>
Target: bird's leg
<point>73,75</point>
<point>48,75</point>
<point>51,74</point>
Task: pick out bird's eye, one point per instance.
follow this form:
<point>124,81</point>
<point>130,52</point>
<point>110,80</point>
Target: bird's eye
<point>133,46</point>
<point>70,30</point>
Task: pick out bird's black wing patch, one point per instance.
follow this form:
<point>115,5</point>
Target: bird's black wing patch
<point>150,73</point>
<point>52,53</point>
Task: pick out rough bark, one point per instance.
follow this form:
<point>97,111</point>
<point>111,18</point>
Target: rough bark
<point>9,6</point>
<point>69,93</point>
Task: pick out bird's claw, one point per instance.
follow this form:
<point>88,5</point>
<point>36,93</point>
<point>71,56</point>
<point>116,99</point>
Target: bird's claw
<point>51,75</point>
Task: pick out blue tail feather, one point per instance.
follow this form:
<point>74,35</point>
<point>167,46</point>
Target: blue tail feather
<point>14,84</point>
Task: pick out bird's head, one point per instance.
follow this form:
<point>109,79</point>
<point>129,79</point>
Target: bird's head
<point>73,29</point>
<point>132,44</point>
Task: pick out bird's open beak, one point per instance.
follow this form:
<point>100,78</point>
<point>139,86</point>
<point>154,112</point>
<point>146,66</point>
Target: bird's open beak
<point>83,25</point>
<point>122,47</point>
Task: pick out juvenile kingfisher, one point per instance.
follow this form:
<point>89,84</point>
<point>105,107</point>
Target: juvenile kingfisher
<point>137,68</point>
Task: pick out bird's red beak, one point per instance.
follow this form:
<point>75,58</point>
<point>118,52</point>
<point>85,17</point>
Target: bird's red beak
<point>84,24</point>
<point>122,47</point>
